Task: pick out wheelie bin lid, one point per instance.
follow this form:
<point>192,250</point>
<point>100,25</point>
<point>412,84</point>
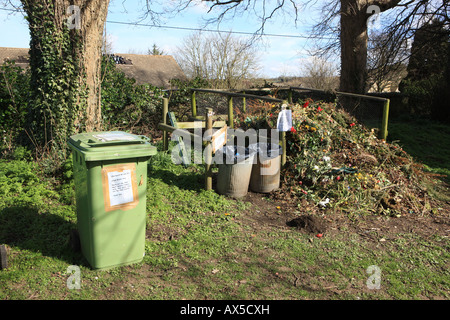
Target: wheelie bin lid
<point>111,145</point>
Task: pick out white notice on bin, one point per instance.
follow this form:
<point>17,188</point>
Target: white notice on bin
<point>114,136</point>
<point>120,187</point>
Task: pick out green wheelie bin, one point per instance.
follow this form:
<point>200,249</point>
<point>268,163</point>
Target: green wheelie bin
<point>110,174</point>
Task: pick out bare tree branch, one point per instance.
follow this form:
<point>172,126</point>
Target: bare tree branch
<point>223,60</point>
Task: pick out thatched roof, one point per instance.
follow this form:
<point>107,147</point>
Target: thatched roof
<point>19,55</point>
<point>155,70</point>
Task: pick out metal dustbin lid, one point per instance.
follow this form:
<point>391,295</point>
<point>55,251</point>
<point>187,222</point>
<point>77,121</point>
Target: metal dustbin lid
<point>111,145</point>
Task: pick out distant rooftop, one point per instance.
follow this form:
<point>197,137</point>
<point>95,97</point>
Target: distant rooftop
<point>151,69</point>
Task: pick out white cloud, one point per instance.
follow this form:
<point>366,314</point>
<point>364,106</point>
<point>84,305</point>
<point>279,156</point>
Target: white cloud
<point>200,7</point>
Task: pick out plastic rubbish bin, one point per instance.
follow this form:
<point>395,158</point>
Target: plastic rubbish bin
<point>234,172</point>
<point>265,176</point>
<point>110,174</point>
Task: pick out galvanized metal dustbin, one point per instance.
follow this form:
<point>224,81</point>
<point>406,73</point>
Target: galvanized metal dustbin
<point>265,176</point>
<point>234,173</point>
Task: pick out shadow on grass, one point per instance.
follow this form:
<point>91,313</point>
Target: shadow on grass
<point>46,233</point>
<point>427,141</point>
<point>186,180</point>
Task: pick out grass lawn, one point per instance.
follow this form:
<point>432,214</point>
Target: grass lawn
<point>201,245</point>
<point>427,141</point>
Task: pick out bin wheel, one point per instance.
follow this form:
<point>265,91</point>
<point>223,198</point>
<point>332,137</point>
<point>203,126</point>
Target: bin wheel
<point>3,258</point>
<point>74,240</point>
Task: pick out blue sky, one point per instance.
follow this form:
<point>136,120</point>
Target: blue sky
<point>279,55</point>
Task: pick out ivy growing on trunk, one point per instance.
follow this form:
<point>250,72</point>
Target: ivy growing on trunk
<point>56,93</point>
<point>65,87</point>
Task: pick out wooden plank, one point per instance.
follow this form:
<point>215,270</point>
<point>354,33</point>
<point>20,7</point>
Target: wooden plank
<point>219,139</point>
<point>183,152</point>
<point>191,124</point>
<point>169,128</point>
<point>166,127</point>
<point>173,119</point>
<point>202,118</point>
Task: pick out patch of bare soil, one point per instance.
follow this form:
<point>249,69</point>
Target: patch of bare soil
<point>309,223</point>
<point>270,211</point>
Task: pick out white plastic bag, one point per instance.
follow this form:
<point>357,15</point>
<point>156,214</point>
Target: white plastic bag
<point>284,122</point>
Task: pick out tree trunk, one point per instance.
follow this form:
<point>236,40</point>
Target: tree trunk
<point>353,47</point>
<point>65,60</point>
<point>93,18</point>
<point>353,39</point>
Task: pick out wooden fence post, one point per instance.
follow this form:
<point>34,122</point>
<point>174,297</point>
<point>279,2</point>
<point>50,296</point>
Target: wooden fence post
<point>164,119</point>
<point>230,112</point>
<point>283,146</point>
<point>193,104</point>
<point>384,124</point>
<point>208,149</point>
<point>283,142</point>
